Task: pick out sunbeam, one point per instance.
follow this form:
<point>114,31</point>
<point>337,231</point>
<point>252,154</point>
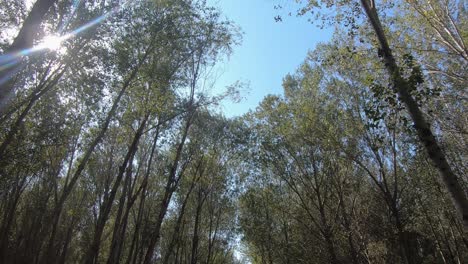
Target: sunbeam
<point>53,42</point>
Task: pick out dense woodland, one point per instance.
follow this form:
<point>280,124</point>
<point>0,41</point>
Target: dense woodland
<point>113,149</point>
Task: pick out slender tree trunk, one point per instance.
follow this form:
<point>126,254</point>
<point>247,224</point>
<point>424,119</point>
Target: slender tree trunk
<point>423,129</point>
<point>155,235</point>
<point>330,245</point>
<point>213,235</point>
<point>63,254</point>
<point>9,215</point>
<point>195,238</point>
<point>178,252</point>
<point>19,121</point>
<point>327,229</point>
<point>93,251</point>
<point>87,155</point>
<point>121,222</point>
<point>178,224</point>
<point>403,242</point>
<point>171,185</point>
<point>432,228</point>
<point>347,226</point>
<point>134,245</point>
<point>15,128</point>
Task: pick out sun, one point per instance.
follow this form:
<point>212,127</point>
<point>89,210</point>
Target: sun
<point>51,43</point>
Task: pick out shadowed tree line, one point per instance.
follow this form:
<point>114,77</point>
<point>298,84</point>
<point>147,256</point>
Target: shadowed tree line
<point>105,151</point>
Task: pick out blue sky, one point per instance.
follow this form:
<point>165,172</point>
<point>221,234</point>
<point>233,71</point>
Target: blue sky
<point>269,49</point>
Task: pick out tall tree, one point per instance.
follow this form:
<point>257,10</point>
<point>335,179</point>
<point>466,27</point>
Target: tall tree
<point>402,86</point>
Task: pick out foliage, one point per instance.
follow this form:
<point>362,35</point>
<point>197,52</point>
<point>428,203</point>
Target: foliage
<point>112,151</point>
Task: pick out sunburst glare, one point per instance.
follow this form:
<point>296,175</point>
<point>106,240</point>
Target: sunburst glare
<point>51,42</point>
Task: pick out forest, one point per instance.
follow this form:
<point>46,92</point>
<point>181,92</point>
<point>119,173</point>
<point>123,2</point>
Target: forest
<point>113,148</point>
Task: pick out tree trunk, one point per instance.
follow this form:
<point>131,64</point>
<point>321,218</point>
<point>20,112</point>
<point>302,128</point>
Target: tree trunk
<point>19,121</point>
<point>121,223</point>
<point>133,247</point>
<point>69,184</point>
<point>423,129</point>
<point>195,238</point>
<point>93,250</point>
<point>213,233</point>
<point>8,217</point>
<point>178,224</point>
<point>171,185</point>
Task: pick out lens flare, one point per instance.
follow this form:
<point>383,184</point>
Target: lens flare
<point>53,42</point>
